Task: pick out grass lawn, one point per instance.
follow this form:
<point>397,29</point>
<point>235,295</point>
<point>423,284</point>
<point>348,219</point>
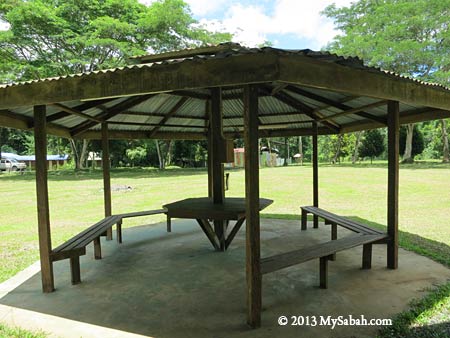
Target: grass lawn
<point>76,201</point>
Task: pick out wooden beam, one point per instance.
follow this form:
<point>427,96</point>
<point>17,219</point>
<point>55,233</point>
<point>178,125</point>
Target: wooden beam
<point>138,80</point>
<point>253,254</point>
<point>81,107</point>
<point>76,112</point>
<point>134,135</point>
<point>167,116</point>
<point>315,160</point>
<point>359,110</point>
<point>347,109</point>
<point>176,116</point>
<point>111,112</point>
<point>305,109</point>
<point>191,94</point>
<point>43,210</point>
<point>311,72</point>
<point>393,183</point>
<point>106,176</point>
<point>166,125</point>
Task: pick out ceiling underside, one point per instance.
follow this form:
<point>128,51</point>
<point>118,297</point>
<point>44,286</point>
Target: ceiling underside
<point>295,89</point>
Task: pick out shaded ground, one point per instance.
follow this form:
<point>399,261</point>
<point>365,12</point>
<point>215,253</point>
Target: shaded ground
<point>174,285</point>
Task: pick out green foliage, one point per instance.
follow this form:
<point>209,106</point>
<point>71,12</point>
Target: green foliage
<point>417,142</point>
<point>408,37</point>
<point>53,38</point>
<point>372,144</point>
<point>136,155</point>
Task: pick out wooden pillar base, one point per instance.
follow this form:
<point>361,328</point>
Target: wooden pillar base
<point>169,224</point>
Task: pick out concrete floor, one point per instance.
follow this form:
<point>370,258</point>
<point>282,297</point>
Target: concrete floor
<point>174,285</point>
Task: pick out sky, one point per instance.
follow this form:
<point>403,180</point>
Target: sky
<point>291,24</point>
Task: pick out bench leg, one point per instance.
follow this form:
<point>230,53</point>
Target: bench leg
<point>333,238</point>
<point>119,231</point>
<point>97,249</point>
<point>169,224</point>
<point>109,235</point>
<point>75,270</point>
<point>315,222</point>
<point>324,272</point>
<point>367,256</point>
<point>304,220</point>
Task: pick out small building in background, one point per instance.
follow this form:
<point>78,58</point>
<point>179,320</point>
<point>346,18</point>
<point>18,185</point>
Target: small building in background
<point>53,161</point>
<point>94,160</point>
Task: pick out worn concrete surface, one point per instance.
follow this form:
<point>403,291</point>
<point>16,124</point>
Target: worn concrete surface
<point>174,285</point>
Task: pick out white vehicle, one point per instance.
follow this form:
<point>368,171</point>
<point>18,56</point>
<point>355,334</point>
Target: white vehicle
<point>12,165</point>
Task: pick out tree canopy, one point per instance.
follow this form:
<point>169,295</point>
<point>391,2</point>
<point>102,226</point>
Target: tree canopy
<point>53,37</point>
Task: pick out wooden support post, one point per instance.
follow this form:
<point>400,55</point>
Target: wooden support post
<point>209,149</point>
<point>315,160</point>
<point>367,256</point>
<point>393,182</point>
<point>43,213</point>
<point>323,267</point>
<point>75,270</point>
<point>106,176</point>
<point>217,154</point>
<point>253,254</point>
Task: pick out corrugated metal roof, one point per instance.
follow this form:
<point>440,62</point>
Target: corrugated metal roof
<point>184,111</point>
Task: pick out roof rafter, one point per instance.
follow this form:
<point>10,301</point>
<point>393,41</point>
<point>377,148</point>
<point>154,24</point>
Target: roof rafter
<point>111,112</point>
<point>335,104</point>
<point>173,111</point>
<point>303,108</point>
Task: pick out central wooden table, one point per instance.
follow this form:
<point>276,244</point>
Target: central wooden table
<point>205,212</point>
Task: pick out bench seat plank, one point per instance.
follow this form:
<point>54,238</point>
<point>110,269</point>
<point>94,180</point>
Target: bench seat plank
<point>142,213</point>
<point>88,235</point>
<point>284,260</point>
<point>342,221</point>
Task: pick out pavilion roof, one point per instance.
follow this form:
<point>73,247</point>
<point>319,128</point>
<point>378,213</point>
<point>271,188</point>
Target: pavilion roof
<point>166,95</point>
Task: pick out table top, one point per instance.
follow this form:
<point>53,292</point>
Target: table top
<point>233,208</point>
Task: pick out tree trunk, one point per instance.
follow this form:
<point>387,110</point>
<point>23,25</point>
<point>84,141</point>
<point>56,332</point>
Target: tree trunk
<point>160,157</point>
<point>76,157</point>
<point>356,148</point>
<point>168,156</point>
<point>286,151</point>
<point>300,149</point>
<point>407,156</point>
<point>84,153</point>
<point>338,150</point>
<point>445,152</point>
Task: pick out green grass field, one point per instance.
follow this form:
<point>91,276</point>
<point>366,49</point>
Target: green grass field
<point>76,201</point>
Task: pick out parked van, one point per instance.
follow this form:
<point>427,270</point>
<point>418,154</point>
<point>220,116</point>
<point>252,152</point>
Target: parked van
<point>12,165</point>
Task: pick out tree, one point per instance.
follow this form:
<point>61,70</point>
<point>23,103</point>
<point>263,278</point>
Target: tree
<point>411,38</point>
<point>54,38</point>
<point>372,144</point>
<point>417,145</point>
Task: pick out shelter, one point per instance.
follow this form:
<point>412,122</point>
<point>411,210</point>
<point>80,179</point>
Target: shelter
<point>218,93</point>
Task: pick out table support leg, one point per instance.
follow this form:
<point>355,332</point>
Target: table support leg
<point>233,232</point>
<point>209,232</point>
<point>221,230</point>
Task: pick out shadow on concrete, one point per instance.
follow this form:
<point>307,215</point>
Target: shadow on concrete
<point>173,285</point>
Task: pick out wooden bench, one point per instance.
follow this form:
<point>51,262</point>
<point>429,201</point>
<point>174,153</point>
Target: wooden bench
<point>139,214</point>
<point>76,246</point>
<point>335,220</point>
<point>366,236</point>
<point>323,251</point>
